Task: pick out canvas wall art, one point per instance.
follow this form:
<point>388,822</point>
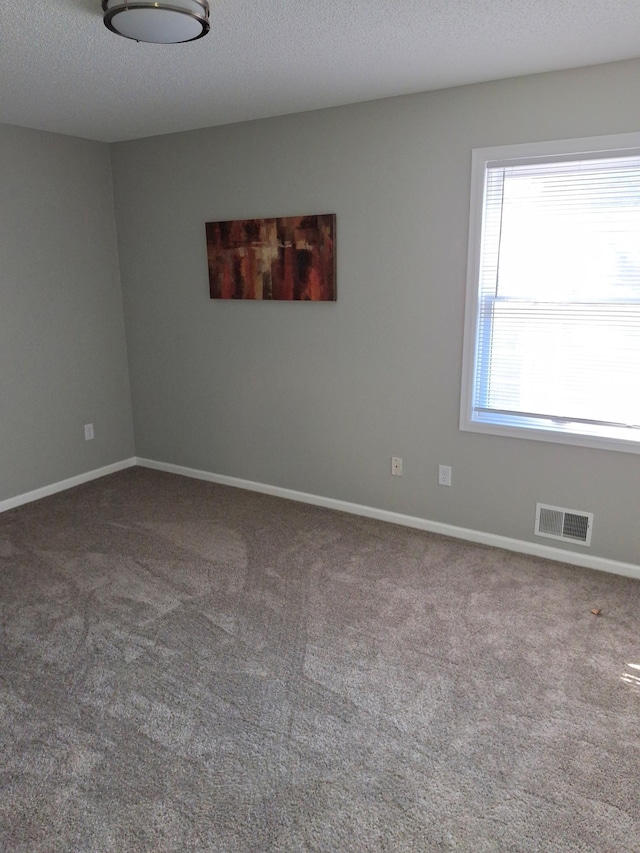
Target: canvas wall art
<point>284,258</point>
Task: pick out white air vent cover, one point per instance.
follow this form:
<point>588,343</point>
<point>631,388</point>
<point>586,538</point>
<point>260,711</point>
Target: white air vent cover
<point>570,525</point>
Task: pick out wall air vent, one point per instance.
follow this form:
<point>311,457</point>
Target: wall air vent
<point>569,525</point>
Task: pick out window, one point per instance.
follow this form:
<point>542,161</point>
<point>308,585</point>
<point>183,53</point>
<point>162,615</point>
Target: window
<point>552,329</point>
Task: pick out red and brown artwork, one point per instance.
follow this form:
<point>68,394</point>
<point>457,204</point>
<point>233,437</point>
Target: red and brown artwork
<point>289,257</point>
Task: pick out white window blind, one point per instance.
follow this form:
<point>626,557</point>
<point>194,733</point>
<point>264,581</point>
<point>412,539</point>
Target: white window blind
<point>557,331</point>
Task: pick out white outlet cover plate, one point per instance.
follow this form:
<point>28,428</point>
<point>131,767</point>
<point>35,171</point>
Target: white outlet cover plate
<point>444,475</point>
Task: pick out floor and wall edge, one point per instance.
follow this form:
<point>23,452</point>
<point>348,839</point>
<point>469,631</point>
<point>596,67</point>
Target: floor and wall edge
<point>69,483</point>
<point>520,546</point>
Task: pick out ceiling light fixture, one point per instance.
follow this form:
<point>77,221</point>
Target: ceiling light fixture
<point>156,21</point>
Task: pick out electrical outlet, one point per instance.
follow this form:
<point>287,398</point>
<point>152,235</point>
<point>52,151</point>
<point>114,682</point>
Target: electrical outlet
<point>444,475</point>
<point>396,466</point>
<point>88,432</point>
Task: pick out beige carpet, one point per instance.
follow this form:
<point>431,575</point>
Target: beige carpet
<point>191,667</point>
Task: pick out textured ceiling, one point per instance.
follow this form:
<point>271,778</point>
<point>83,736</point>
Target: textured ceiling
<point>62,70</point>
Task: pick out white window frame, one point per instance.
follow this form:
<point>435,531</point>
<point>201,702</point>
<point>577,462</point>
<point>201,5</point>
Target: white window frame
<point>615,145</point>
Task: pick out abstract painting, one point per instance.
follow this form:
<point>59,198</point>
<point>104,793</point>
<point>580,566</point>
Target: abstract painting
<point>284,258</point>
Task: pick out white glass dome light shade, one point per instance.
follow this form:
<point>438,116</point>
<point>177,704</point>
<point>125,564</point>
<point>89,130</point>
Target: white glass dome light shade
<point>156,21</point>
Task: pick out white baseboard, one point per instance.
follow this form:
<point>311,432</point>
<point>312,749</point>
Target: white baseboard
<point>45,491</point>
<point>521,546</point>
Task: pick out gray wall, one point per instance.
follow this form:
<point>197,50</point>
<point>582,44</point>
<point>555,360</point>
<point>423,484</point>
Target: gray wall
<point>62,345</point>
<point>317,397</point>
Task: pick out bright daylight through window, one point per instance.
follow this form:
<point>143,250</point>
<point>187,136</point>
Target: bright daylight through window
<point>552,336</point>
